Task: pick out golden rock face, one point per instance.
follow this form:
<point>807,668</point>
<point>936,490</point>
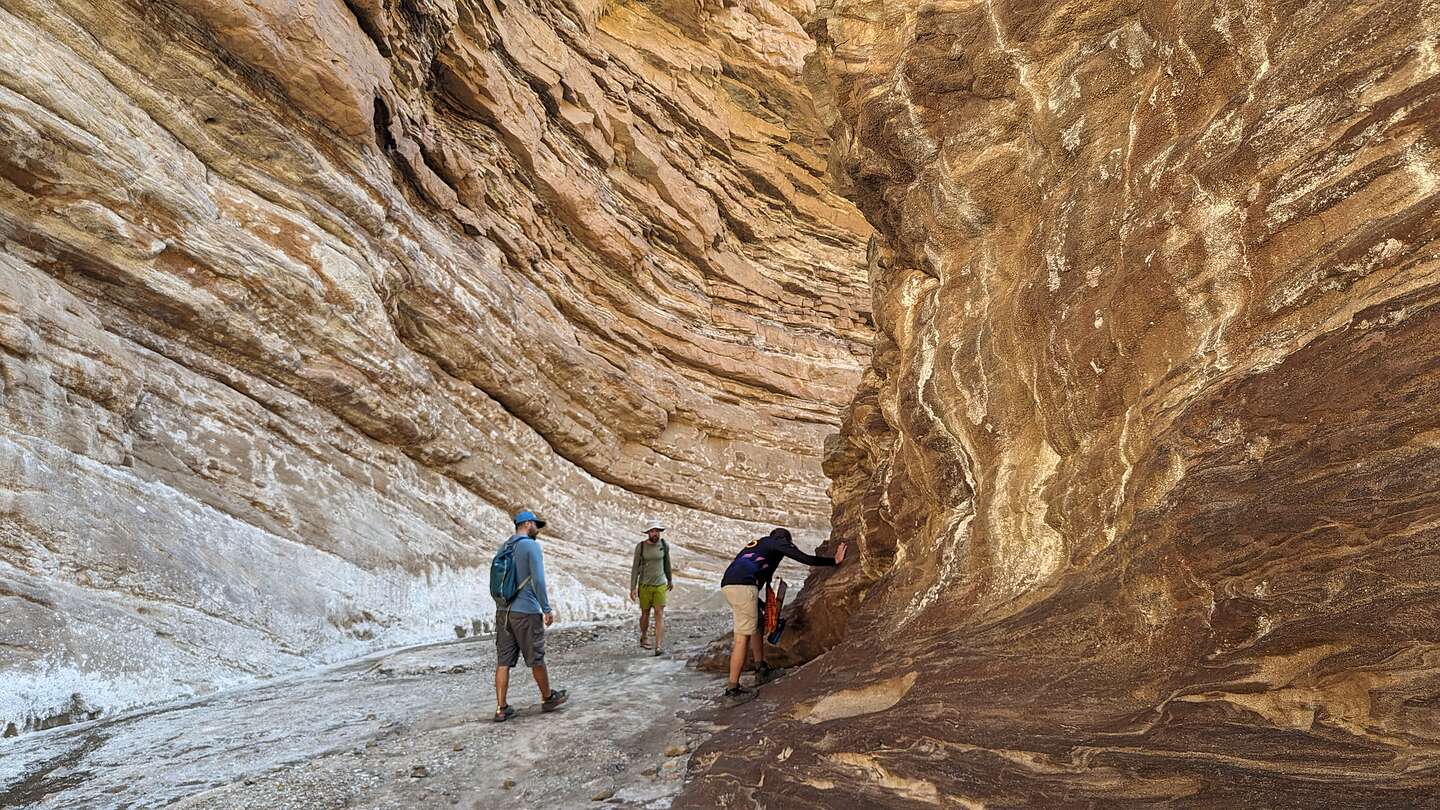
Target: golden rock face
<point>300,299</point>
<point>1142,470</point>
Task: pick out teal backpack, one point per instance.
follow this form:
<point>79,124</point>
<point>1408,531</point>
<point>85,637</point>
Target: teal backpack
<point>503,574</point>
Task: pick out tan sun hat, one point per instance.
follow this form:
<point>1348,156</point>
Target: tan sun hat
<point>654,524</point>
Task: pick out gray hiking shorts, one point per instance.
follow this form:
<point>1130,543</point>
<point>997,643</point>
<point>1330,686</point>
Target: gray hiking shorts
<point>517,634</point>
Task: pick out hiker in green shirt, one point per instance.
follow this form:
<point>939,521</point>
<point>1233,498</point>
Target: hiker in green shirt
<point>650,581</point>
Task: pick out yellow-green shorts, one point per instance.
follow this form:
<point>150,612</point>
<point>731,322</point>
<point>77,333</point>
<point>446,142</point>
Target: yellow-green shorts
<point>652,596</point>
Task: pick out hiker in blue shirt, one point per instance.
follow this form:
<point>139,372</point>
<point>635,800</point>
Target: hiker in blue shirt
<point>520,624</point>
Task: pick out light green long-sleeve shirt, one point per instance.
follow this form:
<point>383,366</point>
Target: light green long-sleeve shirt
<point>651,565</point>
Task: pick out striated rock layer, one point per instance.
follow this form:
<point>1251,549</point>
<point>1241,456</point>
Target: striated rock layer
<point>1143,472</point>
<point>299,299</point>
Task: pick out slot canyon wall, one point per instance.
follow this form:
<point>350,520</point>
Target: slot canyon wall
<point>299,300</point>
<point>1142,474</point>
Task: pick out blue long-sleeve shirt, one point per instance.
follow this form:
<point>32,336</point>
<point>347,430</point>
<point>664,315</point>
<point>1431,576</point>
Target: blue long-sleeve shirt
<point>528,563</point>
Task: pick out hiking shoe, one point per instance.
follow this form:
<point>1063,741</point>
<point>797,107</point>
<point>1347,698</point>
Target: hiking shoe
<point>504,713</point>
<point>557,696</point>
<point>738,691</point>
<point>765,673</point>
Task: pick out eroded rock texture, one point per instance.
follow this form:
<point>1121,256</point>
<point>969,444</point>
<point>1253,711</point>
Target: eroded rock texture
<point>299,299</point>
<point>1143,472</point>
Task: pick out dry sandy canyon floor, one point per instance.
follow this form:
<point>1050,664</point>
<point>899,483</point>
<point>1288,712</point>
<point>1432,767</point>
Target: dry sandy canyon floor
<point>401,729</point>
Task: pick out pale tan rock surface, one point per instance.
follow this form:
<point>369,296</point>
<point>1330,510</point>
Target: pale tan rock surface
<point>1143,473</point>
<point>298,300</point>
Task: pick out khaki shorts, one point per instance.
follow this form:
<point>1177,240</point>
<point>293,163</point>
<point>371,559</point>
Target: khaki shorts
<point>744,607</point>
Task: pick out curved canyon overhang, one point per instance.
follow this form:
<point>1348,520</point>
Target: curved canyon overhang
<point>333,287</point>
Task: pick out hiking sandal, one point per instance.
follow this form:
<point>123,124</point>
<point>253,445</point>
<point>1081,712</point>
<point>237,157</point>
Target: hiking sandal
<point>737,694</point>
<point>557,696</point>
<point>504,713</point>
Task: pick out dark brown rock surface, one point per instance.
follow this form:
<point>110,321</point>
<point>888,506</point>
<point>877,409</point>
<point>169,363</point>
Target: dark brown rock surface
<point>1143,472</point>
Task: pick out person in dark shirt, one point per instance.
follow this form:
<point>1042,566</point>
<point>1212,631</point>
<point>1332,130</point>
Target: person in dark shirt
<point>751,571</point>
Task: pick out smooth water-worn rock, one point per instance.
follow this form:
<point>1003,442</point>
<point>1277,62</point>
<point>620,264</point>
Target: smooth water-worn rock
<point>298,300</point>
<point>1142,475</point>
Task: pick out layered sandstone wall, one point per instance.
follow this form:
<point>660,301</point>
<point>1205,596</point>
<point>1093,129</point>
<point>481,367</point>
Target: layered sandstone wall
<point>299,299</point>
<point>1143,471</point>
